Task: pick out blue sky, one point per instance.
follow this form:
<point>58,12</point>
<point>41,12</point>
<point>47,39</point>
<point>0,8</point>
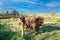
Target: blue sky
<point>31,6</point>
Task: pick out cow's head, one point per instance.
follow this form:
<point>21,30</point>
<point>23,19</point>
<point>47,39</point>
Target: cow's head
<point>21,20</point>
<point>39,21</point>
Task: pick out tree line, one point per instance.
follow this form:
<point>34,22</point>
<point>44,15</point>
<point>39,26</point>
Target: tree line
<point>15,14</point>
<point>12,14</point>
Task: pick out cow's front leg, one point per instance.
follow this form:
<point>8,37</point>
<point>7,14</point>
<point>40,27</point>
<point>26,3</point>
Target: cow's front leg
<point>34,28</point>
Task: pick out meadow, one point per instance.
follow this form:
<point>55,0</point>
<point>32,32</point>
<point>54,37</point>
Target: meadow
<point>9,30</point>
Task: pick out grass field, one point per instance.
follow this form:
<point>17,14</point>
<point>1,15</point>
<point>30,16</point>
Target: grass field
<point>9,30</point>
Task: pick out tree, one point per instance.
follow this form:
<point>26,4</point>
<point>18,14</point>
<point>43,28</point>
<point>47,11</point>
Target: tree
<point>53,13</point>
<point>14,12</point>
<point>7,12</point>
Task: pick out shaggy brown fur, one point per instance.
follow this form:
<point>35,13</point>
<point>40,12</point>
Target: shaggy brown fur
<point>31,22</point>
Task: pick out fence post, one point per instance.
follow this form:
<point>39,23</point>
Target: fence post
<point>22,30</point>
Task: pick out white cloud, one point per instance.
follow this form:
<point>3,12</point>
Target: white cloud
<point>32,2</point>
<point>28,1</point>
<point>0,3</point>
<point>52,4</point>
<point>17,0</point>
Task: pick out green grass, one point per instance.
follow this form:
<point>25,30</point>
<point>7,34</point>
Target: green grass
<point>9,30</point>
